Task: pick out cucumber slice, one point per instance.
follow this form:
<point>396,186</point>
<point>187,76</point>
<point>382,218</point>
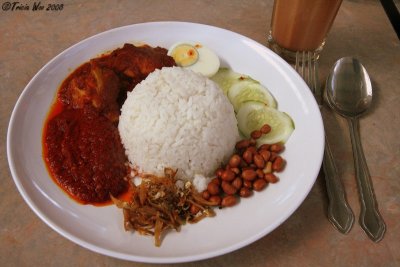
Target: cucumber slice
<point>253,115</point>
<point>225,78</point>
<point>249,90</point>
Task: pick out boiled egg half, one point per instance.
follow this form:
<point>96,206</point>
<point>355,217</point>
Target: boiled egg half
<point>196,57</point>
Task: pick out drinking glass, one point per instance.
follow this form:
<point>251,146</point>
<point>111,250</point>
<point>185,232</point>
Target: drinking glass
<point>301,25</point>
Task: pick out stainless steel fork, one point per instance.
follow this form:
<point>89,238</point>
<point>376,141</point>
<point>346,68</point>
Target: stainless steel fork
<point>339,212</point>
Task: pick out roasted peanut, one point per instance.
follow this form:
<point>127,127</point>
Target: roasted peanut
<point>216,181</point>
<point>235,161</point>
<point>228,175</point>
<point>247,168</point>
<point>248,156</point>
<point>276,148</point>
<point>252,149</point>
<point>264,147</point>
<point>245,192</point>
<point>242,144</point>
<point>278,164</point>
<point>259,161</point>
<point>228,201</point>
<point>260,173</point>
<point>249,174</point>
<point>215,200</point>
<point>219,172</point>
<point>213,188</point>
<point>247,184</point>
<point>273,156</point>
<point>271,178</point>
<point>265,154</point>
<point>259,184</point>
<point>228,188</point>
<point>253,142</point>
<point>206,195</point>
<point>243,164</point>
<point>237,183</point>
<point>236,170</point>
<point>256,134</point>
<point>265,129</point>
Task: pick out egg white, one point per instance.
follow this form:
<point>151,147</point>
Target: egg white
<point>207,63</point>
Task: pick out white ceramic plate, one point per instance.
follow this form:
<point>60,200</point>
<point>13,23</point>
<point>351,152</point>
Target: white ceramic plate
<point>100,229</point>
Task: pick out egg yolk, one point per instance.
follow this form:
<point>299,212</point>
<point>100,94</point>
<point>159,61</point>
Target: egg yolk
<point>185,55</point>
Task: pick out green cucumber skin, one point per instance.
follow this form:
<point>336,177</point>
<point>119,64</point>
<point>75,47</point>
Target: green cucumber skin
<point>247,93</point>
<point>247,90</point>
<point>281,131</point>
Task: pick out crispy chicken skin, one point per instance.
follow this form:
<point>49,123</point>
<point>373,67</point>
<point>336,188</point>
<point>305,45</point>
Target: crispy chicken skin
<point>103,82</point>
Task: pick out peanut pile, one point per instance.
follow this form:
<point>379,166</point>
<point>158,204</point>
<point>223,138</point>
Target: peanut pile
<point>250,168</point>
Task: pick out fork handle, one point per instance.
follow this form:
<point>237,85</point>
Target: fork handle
<point>339,212</point>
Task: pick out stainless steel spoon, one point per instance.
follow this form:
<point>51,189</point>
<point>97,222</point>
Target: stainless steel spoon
<point>349,92</point>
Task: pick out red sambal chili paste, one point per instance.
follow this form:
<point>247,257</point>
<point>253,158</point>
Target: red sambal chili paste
<point>81,143</point>
<point>85,154</point>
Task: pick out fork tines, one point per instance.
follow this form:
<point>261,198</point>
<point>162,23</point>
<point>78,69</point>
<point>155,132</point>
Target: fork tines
<point>307,66</point>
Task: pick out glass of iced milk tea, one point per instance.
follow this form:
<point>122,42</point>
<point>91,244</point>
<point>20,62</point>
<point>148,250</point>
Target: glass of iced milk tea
<point>301,25</point>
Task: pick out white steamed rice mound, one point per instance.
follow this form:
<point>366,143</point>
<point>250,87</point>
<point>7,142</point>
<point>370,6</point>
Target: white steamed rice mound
<point>179,119</point>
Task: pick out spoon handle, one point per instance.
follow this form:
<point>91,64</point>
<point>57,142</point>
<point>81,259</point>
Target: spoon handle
<point>339,212</point>
<point>370,218</point>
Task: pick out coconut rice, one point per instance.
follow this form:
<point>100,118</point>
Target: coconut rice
<point>179,119</point>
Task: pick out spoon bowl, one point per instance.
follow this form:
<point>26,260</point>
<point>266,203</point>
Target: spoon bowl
<point>349,88</point>
<point>349,92</point>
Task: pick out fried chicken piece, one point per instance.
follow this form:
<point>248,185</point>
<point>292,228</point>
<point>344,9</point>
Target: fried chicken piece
<point>134,63</point>
<point>103,82</point>
<point>92,85</point>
